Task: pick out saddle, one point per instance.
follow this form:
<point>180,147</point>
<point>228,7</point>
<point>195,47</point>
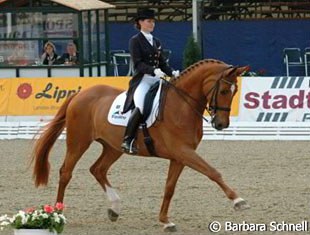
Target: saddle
<point>152,111</point>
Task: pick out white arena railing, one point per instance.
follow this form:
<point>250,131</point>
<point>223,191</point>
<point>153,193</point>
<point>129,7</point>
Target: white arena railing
<point>260,131</point>
<point>236,131</point>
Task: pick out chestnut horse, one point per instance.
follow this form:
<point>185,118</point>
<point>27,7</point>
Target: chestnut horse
<point>207,84</point>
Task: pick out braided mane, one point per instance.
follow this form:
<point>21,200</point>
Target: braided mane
<point>194,66</point>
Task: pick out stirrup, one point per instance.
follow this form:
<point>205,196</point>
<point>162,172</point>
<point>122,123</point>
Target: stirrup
<point>131,149</point>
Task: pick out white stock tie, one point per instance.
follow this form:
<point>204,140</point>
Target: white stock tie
<point>149,38</point>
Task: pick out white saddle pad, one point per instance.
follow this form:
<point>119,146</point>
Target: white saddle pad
<point>116,117</point>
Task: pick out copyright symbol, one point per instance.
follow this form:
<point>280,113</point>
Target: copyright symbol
<point>215,227</point>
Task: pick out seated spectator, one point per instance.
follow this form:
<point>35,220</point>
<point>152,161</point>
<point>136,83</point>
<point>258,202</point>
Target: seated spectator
<point>49,56</point>
<point>18,56</point>
<point>71,57</point>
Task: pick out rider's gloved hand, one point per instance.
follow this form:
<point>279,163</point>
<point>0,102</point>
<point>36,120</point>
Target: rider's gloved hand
<point>176,73</point>
<point>159,73</point>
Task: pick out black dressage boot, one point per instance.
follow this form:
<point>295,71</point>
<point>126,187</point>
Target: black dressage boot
<point>130,132</point>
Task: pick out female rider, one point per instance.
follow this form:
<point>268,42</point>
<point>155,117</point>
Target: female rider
<point>149,66</point>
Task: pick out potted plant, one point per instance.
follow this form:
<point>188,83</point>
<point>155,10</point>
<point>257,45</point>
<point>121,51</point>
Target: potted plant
<point>192,52</point>
<point>44,220</point>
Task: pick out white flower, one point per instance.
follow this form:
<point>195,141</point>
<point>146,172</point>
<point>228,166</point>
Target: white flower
<point>21,213</point>
<point>45,216</point>
<point>63,218</point>
<point>4,223</point>
<point>3,217</point>
<point>25,219</point>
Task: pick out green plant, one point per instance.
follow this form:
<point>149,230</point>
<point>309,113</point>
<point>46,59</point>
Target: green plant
<point>44,217</point>
<point>192,52</point>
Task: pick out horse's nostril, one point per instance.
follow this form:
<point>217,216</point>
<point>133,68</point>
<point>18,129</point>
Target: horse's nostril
<point>219,126</point>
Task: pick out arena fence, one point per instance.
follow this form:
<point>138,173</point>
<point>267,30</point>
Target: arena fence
<point>236,131</point>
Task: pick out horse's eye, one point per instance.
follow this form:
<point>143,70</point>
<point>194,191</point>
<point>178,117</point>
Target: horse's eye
<point>224,92</point>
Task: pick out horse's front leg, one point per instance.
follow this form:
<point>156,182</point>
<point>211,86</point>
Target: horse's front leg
<point>175,170</point>
<point>191,159</point>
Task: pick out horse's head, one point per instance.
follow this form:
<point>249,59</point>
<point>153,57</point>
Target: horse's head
<point>220,91</point>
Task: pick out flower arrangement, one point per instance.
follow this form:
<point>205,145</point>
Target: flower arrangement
<point>260,72</point>
<point>44,217</point>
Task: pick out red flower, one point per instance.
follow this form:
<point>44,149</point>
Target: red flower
<point>48,209</point>
<point>59,206</point>
<point>30,210</point>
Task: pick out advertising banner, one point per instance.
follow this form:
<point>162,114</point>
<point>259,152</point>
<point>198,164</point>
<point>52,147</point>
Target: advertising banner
<point>44,96</point>
<point>5,88</point>
<point>275,99</point>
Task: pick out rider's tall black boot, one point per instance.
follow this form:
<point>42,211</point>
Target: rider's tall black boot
<point>130,132</point>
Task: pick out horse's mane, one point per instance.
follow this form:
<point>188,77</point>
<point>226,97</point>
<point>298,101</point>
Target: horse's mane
<point>194,66</point>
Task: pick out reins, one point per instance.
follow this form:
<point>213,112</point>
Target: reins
<point>183,95</point>
<point>211,109</point>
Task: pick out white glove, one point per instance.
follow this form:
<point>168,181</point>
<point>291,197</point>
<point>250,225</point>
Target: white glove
<point>176,73</point>
<point>159,73</point>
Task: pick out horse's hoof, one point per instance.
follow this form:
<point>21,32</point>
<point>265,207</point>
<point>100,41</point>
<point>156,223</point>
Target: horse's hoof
<point>240,204</point>
<point>113,216</point>
<point>170,227</point>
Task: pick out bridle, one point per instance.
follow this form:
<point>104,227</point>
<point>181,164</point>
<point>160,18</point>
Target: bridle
<point>211,106</point>
<point>214,95</point>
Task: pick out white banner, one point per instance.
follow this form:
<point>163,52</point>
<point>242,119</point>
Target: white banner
<point>275,99</point>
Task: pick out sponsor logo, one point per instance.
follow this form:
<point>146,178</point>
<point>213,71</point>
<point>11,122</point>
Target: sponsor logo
<point>287,82</point>
<point>24,91</point>
<point>118,115</point>
<point>271,117</point>
<point>51,92</point>
<point>286,99</point>
<point>267,100</point>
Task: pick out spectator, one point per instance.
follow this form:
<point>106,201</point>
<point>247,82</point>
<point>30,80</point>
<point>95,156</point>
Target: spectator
<point>49,56</point>
<point>18,56</point>
<point>71,57</point>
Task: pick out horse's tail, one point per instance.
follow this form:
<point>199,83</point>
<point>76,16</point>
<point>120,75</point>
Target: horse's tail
<point>45,143</point>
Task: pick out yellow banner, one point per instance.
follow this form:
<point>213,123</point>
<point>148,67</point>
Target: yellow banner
<point>5,90</point>
<point>44,96</point>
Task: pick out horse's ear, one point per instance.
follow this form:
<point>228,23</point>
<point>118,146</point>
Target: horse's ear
<point>237,71</point>
<point>241,70</point>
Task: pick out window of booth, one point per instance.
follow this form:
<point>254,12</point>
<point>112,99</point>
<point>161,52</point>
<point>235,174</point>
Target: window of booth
<point>38,25</point>
<point>23,35</point>
<point>94,37</point>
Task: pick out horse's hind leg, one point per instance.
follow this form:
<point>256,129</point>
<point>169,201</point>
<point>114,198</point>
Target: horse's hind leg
<point>75,151</point>
<point>99,169</point>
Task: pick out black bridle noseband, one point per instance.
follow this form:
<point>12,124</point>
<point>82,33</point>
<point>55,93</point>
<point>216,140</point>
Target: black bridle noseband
<point>212,106</point>
<point>215,90</point>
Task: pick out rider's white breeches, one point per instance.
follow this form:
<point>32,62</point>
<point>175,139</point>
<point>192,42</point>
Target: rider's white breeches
<point>140,92</point>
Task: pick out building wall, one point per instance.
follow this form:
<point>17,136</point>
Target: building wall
<point>258,43</point>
